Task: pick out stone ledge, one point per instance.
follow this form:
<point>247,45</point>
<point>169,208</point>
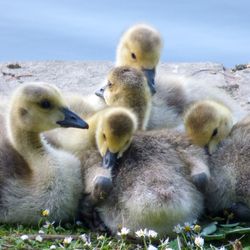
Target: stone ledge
<point>84,77</point>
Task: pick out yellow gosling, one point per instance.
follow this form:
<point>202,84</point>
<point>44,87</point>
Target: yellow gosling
<point>207,123</point>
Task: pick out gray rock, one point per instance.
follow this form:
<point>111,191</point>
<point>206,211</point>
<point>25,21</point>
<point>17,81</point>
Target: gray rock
<point>85,77</point>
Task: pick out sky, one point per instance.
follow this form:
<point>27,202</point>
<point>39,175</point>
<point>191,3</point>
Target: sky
<point>193,30</point>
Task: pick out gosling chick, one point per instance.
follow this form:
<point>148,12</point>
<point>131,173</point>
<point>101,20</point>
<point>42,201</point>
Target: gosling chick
<point>229,167</point>
<point>140,47</point>
<point>207,123</point>
<point>110,131</point>
<point>152,184</point>
<point>33,175</point>
<point>127,87</point>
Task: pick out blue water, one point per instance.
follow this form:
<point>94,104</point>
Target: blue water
<point>193,30</point>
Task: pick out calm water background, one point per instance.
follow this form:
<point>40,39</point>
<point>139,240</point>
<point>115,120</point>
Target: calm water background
<point>193,30</point>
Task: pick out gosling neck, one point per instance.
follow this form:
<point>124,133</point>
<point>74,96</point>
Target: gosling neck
<point>27,143</point>
<point>141,106</point>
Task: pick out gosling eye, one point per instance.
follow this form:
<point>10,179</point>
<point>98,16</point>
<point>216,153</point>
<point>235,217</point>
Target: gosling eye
<point>109,84</point>
<point>45,104</point>
<point>104,136</point>
<point>133,56</point>
<point>215,132</point>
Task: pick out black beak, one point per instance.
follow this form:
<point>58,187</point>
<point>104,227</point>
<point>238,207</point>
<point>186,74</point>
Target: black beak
<point>100,92</point>
<point>207,150</point>
<point>71,120</point>
<point>150,74</point>
<point>109,160</point>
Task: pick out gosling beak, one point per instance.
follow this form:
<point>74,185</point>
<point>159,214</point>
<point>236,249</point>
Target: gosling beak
<point>72,120</point>
<point>150,74</point>
<point>206,148</point>
<point>100,92</point>
<point>109,159</point>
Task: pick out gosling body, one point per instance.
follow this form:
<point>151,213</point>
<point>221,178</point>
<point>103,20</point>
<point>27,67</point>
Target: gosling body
<point>152,185</point>
<point>229,166</point>
<point>33,175</point>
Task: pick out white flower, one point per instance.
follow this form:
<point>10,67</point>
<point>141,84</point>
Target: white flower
<point>151,247</point>
<point>24,237</point>
<point>52,247</point>
<point>168,248</point>
<point>39,238</point>
<point>41,232</point>
<point>199,242</point>
<point>100,237</point>
<point>67,240</point>
<point>177,229</point>
<point>78,223</point>
<point>124,231</point>
<point>88,244</point>
<point>140,233</point>
<point>48,224</point>
<point>165,242</point>
<point>83,237</point>
<point>152,234</point>
<point>222,248</point>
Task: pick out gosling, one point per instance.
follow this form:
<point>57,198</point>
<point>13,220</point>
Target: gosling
<point>127,87</point>
<point>152,186</point>
<point>35,176</point>
<point>140,47</point>
<point>207,123</point>
<point>229,166</point>
<point>110,131</point>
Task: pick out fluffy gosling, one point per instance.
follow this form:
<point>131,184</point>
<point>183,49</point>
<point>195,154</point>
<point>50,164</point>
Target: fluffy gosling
<point>207,123</point>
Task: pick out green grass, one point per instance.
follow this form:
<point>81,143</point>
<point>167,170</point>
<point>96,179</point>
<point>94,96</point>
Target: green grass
<point>215,235</point>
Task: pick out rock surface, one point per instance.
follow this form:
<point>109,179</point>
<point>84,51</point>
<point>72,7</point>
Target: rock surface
<point>85,77</point>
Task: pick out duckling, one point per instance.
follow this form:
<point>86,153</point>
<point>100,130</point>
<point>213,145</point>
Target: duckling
<point>127,87</point>
<point>152,187</point>
<point>33,175</point>
<point>229,168</point>
<point>207,123</point>
<point>140,47</point>
<point>110,131</point>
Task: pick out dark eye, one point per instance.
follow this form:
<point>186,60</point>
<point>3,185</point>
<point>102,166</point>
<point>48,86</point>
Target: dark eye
<point>133,56</point>
<point>215,132</point>
<point>45,104</point>
<point>109,84</point>
<point>104,136</point>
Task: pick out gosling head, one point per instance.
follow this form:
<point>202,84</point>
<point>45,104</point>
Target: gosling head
<point>207,123</point>
<point>127,87</point>
<point>39,107</point>
<point>140,47</point>
<point>114,134</point>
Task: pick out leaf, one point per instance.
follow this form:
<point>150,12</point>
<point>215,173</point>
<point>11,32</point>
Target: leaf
<point>210,229</point>
<point>241,230</point>
<point>173,244</point>
<point>219,236</point>
<point>230,225</point>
